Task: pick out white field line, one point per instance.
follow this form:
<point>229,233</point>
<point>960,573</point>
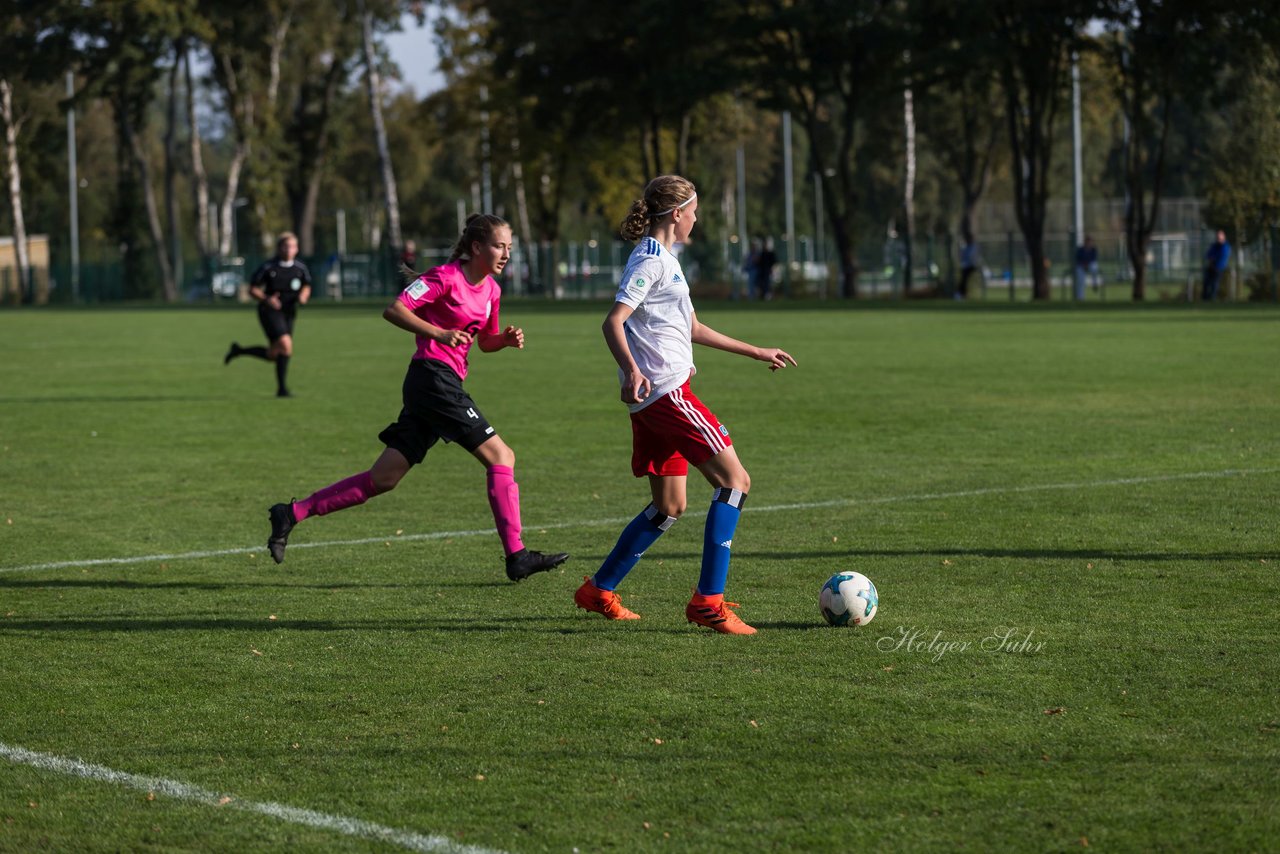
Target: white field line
<point>593,523</point>
<point>187,792</point>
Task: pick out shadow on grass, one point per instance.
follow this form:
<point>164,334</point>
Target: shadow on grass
<point>481,624</point>
<point>790,625</point>
<point>124,584</point>
<point>128,398</point>
<point>1056,554</point>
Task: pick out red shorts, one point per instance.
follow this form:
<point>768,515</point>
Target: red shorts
<point>674,431</point>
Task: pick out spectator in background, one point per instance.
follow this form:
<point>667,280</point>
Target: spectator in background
<point>764,270</point>
<point>968,266</point>
<point>1215,263</point>
<point>409,255</point>
<point>1086,266</point>
<point>751,265</point>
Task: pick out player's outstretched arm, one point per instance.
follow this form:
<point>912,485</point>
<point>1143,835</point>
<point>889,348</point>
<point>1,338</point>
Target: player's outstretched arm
<point>635,385</point>
<point>398,314</point>
<point>708,337</point>
<point>512,336</point>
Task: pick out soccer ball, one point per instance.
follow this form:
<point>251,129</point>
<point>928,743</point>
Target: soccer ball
<point>848,599</point>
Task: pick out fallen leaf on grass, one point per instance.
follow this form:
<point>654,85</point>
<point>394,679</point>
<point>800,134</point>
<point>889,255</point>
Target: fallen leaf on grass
<point>399,531</point>
<point>1056,710</point>
<point>1084,842</point>
<point>946,562</point>
<point>32,804</point>
<point>646,825</point>
<point>151,796</point>
<point>1088,566</point>
<point>887,668</point>
<point>656,740</point>
<point>223,801</point>
<point>255,652</point>
<point>754,724</point>
<point>272,617</point>
<point>480,777</point>
<point>1044,757</point>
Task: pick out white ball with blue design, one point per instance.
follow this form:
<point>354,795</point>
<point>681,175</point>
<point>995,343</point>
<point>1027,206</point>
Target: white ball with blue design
<point>849,599</point>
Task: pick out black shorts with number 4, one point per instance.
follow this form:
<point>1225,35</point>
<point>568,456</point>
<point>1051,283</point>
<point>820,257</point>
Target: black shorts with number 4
<point>435,408</point>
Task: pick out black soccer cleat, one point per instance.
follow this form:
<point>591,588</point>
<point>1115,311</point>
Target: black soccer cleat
<point>526,562</point>
<point>282,523</point>
<point>231,353</point>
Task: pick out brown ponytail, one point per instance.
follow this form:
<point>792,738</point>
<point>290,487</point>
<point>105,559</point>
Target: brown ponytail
<point>479,228</point>
<point>661,196</point>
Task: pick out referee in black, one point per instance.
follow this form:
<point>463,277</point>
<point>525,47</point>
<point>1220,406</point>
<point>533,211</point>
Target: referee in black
<point>280,286</point>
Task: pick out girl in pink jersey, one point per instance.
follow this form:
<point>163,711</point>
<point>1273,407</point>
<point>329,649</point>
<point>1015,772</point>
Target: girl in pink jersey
<point>651,330</point>
<point>448,309</point>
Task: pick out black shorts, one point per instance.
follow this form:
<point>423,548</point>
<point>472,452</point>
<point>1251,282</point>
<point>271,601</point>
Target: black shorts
<point>276,323</point>
<point>435,407</point>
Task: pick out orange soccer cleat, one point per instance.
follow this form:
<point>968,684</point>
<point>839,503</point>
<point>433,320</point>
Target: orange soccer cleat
<point>714,613</point>
<point>592,598</point>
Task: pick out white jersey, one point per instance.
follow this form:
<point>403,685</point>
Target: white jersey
<point>660,328</point>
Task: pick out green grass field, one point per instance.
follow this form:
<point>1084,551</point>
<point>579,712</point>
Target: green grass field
<point>1100,486</point>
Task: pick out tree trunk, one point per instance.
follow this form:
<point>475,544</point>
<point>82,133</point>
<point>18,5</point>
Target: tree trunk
<point>227,210</point>
<point>682,151</point>
<point>848,262</point>
<point>171,173</point>
<point>527,249</point>
<point>838,202</point>
<point>140,160</point>
<point>969,218</point>
<point>199,177</point>
<point>21,249</point>
<point>373,82</point>
<point>655,141</point>
<point>311,161</point>
<point>908,190</point>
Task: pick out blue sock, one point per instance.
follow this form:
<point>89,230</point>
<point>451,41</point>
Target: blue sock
<point>722,521</point>
<point>642,532</point>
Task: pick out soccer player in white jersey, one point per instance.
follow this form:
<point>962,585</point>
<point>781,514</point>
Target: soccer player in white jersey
<point>651,330</point>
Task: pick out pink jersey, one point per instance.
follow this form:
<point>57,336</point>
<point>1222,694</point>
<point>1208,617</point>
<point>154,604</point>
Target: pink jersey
<point>443,297</point>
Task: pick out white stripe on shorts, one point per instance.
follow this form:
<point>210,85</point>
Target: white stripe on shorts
<point>712,436</point>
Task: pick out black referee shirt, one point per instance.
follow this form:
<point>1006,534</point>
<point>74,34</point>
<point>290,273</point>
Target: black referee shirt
<point>285,279</point>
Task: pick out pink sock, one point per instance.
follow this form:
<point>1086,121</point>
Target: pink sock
<point>356,489</point>
<point>504,498</point>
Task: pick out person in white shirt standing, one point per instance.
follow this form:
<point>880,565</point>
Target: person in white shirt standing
<point>651,330</point>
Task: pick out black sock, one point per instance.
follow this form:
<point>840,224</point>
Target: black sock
<point>282,367</point>
<point>260,352</point>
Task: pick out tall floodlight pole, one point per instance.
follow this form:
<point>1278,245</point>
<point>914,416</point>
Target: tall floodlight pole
<point>1077,169</point>
<point>818,225</point>
<point>789,193</point>
<point>73,189</point>
<point>486,177</point>
<point>743,242</point>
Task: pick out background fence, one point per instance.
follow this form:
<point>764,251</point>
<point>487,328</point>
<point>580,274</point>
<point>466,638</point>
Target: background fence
<point>807,268</point>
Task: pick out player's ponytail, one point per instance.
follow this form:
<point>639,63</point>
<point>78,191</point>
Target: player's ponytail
<point>478,229</point>
<point>662,197</point>
<point>636,223</point>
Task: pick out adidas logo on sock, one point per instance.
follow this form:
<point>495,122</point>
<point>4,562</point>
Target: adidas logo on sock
<point>727,544</point>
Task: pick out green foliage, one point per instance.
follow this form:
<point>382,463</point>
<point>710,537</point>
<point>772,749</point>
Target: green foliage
<point>1244,188</point>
